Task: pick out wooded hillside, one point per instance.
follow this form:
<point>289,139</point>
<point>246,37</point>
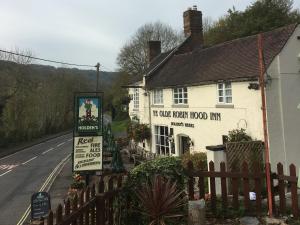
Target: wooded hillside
<point>36,100</point>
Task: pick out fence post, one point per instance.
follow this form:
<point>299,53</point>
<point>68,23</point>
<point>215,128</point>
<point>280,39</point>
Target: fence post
<point>257,177</point>
<point>246,186</point>
<point>110,201</point>
<point>282,205</point>
<point>191,181</point>
<point>67,207</point>
<point>81,202</point>
<point>74,207</point>
<point>294,191</point>
<point>101,185</point>
<point>212,183</point>
<point>59,214</point>
<point>201,184</point>
<point>223,186</point>
<point>235,189</point>
<point>100,207</point>
<point>50,218</point>
<point>87,213</point>
<point>93,194</point>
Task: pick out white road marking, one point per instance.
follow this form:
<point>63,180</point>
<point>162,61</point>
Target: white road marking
<point>70,139</point>
<point>5,173</point>
<point>47,151</point>
<point>29,160</point>
<point>60,144</point>
<point>49,181</point>
<point>7,167</point>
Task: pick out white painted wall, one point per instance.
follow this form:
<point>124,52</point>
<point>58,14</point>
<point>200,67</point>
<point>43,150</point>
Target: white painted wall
<point>245,113</point>
<point>283,99</point>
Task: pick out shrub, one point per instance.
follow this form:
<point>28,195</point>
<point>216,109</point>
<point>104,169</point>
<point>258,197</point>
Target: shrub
<point>138,132</point>
<point>199,160</point>
<point>169,167</point>
<point>161,200</point>
<point>238,135</point>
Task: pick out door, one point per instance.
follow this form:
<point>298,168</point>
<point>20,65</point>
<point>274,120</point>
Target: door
<point>185,147</point>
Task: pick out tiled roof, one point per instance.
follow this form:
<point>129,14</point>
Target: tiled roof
<point>232,60</point>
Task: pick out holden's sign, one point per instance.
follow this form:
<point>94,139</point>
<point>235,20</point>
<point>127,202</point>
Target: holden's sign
<point>87,155</point>
<point>87,147</point>
<point>88,114</point>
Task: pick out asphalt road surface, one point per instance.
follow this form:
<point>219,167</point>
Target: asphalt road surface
<point>28,171</point>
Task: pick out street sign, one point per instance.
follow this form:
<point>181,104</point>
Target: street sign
<point>40,205</point>
<point>87,155</point>
<point>88,115</point>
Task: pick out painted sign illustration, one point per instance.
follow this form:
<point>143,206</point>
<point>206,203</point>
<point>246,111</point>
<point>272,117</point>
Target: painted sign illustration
<point>89,114</point>
<point>87,155</point>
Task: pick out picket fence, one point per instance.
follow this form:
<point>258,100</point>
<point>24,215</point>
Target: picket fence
<point>240,187</point>
<point>92,206</point>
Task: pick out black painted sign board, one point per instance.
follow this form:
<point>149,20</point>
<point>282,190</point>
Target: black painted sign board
<point>40,205</point>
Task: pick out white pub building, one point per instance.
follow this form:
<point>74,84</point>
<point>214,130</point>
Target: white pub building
<point>193,95</point>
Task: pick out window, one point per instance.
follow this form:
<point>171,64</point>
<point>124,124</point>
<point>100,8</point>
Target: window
<point>224,93</point>
<point>180,95</point>
<point>162,140</point>
<point>158,97</point>
<point>136,98</point>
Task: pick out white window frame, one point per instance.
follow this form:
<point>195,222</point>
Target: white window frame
<point>180,96</point>
<point>136,98</point>
<point>224,93</point>
<point>161,138</point>
<point>158,97</point>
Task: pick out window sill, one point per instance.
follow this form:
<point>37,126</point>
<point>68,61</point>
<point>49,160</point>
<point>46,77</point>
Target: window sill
<point>227,106</point>
<point>136,110</point>
<point>180,106</point>
<point>157,106</point>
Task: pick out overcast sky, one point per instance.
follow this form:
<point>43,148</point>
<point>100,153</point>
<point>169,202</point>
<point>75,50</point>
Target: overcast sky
<point>90,31</point>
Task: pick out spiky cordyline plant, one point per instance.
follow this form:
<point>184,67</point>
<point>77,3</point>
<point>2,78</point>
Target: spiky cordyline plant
<point>161,199</point>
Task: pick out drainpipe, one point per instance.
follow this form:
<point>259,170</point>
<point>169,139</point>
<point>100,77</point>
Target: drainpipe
<point>264,114</point>
<point>150,122</point>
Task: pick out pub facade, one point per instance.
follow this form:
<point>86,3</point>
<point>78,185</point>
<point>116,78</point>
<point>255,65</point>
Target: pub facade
<point>193,95</point>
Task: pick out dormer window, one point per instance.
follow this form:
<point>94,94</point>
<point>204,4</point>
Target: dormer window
<point>180,96</point>
<point>224,93</point>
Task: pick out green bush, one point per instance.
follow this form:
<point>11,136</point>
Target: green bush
<point>138,132</point>
<point>238,135</point>
<point>169,167</point>
<point>199,160</point>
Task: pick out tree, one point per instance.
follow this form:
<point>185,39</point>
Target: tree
<point>260,16</point>
<point>132,58</point>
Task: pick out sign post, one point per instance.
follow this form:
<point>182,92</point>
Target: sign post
<point>88,133</point>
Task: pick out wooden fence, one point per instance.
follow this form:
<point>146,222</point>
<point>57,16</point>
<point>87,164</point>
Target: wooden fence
<point>92,206</point>
<point>240,182</point>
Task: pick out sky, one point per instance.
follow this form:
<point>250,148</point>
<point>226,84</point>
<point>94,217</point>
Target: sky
<point>91,31</point>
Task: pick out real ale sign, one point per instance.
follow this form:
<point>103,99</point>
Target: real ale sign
<point>87,155</point>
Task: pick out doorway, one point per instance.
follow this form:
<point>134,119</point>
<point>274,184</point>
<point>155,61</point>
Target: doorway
<point>184,144</point>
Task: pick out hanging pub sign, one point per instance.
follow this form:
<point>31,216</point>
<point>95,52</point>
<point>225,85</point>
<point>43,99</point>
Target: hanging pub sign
<point>40,205</point>
<point>88,114</point>
<point>87,155</point>
<point>88,120</point>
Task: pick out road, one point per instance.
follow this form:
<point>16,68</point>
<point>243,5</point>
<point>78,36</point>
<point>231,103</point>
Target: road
<point>28,171</point>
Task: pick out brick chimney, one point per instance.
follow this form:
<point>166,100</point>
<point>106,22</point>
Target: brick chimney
<point>192,22</point>
<point>154,49</point>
